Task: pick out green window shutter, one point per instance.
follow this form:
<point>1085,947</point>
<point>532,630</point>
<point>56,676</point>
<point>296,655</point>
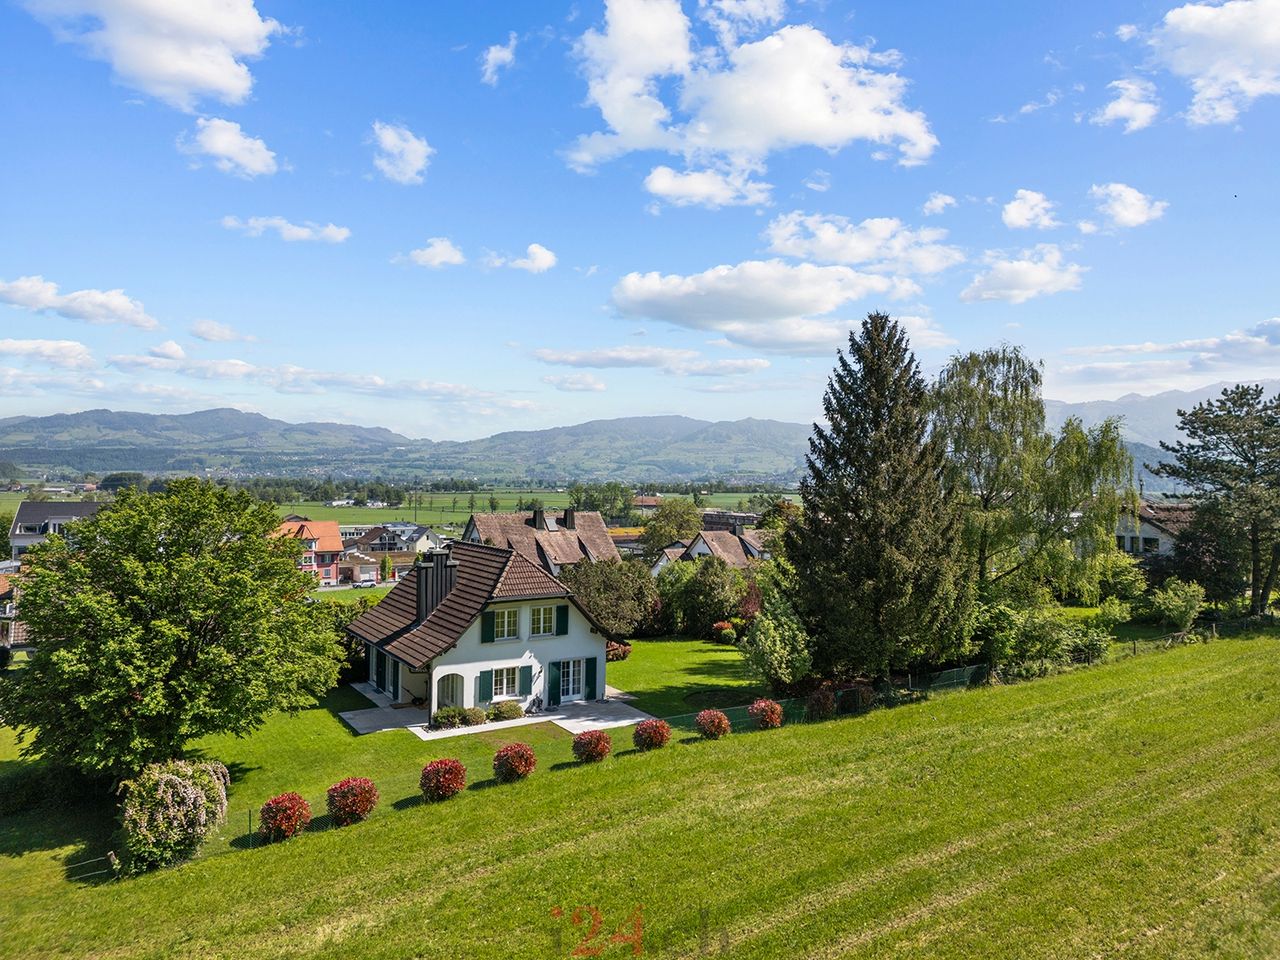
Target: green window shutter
<point>486,627</point>
<point>486,686</point>
<point>526,681</point>
<point>589,686</point>
<point>553,683</point>
<point>562,619</point>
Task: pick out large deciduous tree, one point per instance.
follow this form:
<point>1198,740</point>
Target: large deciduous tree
<point>619,594</point>
<point>876,552</point>
<point>1232,454</point>
<point>1036,504</point>
<point>676,518</point>
<point>161,619</point>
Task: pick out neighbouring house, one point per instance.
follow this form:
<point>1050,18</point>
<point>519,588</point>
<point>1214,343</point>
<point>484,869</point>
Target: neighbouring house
<point>728,519</point>
<point>357,567</point>
<point>1158,525</point>
<point>397,537</point>
<point>322,546</point>
<point>671,553</point>
<point>645,503</point>
<point>551,541</point>
<point>35,520</point>
<point>738,548</point>
<point>12,632</point>
<point>473,624</point>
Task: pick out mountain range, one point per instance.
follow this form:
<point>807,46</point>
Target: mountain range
<point>232,442</point>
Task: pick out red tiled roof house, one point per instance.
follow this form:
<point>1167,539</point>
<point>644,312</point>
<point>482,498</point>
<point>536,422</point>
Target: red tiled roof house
<point>322,546</point>
<point>473,624</point>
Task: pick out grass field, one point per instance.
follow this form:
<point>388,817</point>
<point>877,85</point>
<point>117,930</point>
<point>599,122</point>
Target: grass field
<point>1131,809</point>
<point>671,677</point>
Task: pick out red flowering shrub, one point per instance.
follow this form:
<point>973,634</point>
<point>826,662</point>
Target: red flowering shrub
<point>723,631</point>
<point>651,734</point>
<point>441,779</point>
<point>767,713</point>
<point>283,817</point>
<point>351,800</point>
<point>591,746</point>
<point>514,762</point>
<point>712,724</point>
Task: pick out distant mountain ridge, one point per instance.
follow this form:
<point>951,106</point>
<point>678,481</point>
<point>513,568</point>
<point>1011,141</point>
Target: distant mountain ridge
<point>634,449</point>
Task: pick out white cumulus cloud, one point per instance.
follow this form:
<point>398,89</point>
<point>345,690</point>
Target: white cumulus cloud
<point>1029,208</point>
<point>94,306</point>
<point>1135,105</point>
<point>537,259</point>
<point>707,188</point>
<point>179,52</point>
<point>438,252</point>
<point>215,332</point>
<point>1228,52</point>
<point>881,244</point>
<point>58,353</point>
<point>937,203</point>
<point>231,149</point>
<point>401,156</point>
<point>1033,273</point>
<point>257,226</point>
<point>1125,206</point>
<point>496,58</point>
<point>575,382</point>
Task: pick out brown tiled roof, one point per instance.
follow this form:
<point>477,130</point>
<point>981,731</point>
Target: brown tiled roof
<point>485,574</point>
<point>1172,517</point>
<point>325,533</point>
<point>726,545</point>
<point>588,540</point>
<point>6,585</point>
<point>673,553</point>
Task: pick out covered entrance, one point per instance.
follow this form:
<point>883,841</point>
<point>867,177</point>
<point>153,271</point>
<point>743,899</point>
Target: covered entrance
<point>449,691</point>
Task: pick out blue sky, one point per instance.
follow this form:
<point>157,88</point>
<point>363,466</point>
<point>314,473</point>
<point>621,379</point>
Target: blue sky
<point>455,219</point>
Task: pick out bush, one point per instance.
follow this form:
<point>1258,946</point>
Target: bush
<point>620,595</point>
<point>766,713</point>
<point>821,704</point>
<point>724,632</point>
<point>351,800</point>
<point>514,762</point>
<point>283,816</point>
<point>651,734</point>
<point>506,710</point>
<point>1179,603</point>
<point>592,746</point>
<point>473,716</point>
<point>1111,614</point>
<point>616,650</point>
<point>441,779</point>
<point>449,717</point>
<point>165,816</point>
<point>712,724</point>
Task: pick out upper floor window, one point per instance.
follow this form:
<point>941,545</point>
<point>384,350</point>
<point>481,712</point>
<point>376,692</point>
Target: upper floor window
<point>543,621</point>
<point>506,624</point>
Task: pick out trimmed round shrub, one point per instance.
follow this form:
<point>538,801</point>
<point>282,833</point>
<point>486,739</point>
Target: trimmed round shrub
<point>514,762</point>
<point>766,713</point>
<point>473,716</point>
<point>449,717</point>
<point>441,779</point>
<point>712,724</point>
<point>821,704</point>
<point>506,710</point>
<point>592,746</point>
<point>723,631</point>
<point>283,816</point>
<point>651,734</point>
<point>351,800</point>
<point>163,820</point>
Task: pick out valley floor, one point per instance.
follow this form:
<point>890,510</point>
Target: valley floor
<point>1131,809</point>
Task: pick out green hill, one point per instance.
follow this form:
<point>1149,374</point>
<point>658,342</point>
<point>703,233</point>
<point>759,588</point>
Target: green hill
<point>1128,810</point>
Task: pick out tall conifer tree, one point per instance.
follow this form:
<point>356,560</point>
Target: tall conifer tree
<point>877,553</point>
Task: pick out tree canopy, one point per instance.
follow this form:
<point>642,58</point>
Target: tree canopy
<point>161,619</point>
<point>676,518</point>
<point>877,549</point>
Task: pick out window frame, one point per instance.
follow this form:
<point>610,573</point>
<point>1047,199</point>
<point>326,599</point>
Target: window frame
<point>504,618</point>
<point>547,614</point>
<point>500,677</point>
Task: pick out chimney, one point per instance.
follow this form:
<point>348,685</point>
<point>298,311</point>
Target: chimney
<point>539,519</point>
<point>437,574</point>
<point>570,519</point>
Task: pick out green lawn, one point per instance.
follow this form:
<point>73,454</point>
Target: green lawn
<point>672,677</point>
<point>351,595</point>
<point>1131,809</point>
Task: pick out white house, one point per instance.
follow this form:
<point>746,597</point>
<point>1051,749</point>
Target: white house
<point>1159,523</point>
<point>36,520</point>
<point>473,624</point>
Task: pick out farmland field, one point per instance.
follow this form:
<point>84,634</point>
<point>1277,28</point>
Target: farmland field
<point>1131,809</point>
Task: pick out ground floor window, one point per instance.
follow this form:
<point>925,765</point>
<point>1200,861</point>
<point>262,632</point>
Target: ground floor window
<point>570,679</point>
<point>505,682</point>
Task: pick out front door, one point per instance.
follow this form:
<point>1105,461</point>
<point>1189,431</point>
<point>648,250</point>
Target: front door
<point>571,672</point>
<point>380,670</point>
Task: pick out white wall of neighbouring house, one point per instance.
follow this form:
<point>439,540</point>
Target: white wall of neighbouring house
<point>470,657</point>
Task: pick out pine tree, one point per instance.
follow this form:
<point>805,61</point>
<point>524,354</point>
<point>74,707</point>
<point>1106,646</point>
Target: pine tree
<point>879,579</point>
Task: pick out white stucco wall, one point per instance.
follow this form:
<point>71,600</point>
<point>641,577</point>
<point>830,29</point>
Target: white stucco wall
<point>470,656</point>
<point>1145,530</point>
